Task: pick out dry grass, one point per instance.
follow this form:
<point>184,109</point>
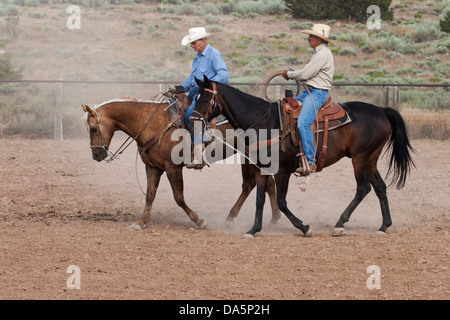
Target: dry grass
<point>427,123</point>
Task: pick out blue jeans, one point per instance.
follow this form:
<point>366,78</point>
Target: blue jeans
<point>189,111</point>
<point>307,117</point>
<point>192,94</point>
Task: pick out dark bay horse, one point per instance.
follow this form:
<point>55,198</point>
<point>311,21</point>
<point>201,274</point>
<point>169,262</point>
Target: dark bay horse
<point>362,140</point>
<point>145,120</point>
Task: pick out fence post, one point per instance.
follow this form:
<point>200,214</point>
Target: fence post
<point>58,128</point>
<point>385,97</point>
<point>395,97</point>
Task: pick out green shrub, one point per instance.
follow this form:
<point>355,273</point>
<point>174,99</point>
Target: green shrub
<point>435,80</point>
<point>280,35</point>
<point>210,8</point>
<point>340,10</point>
<point>227,7</point>
<point>443,46</point>
<point>263,7</point>
<point>390,43</point>
<point>376,73</point>
<point>356,37</point>
<point>347,51</point>
<point>444,22</point>
<point>300,26</point>
<point>442,69</point>
<point>37,15</point>
<point>211,19</point>
<point>7,69</point>
<point>186,9</point>
<point>427,31</point>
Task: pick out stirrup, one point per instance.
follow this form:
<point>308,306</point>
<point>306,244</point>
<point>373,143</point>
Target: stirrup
<point>197,151</point>
<point>310,168</point>
<point>195,166</point>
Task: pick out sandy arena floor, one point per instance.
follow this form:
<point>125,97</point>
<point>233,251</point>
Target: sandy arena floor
<point>60,208</point>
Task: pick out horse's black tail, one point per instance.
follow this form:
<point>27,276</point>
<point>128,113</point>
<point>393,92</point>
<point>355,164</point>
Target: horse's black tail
<point>400,162</point>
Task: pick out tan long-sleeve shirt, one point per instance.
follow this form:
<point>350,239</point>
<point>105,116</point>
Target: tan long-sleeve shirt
<point>319,71</point>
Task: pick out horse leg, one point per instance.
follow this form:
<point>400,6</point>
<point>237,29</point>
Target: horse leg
<point>153,178</point>
<point>175,176</point>
<point>248,183</point>
<point>362,189</point>
<point>272,192</point>
<point>380,189</point>
<point>282,181</point>
<point>261,185</point>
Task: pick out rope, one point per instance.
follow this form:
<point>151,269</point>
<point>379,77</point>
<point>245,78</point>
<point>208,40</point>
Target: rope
<point>264,83</point>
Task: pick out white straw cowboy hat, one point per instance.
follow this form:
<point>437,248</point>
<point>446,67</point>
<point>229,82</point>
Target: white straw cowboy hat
<point>321,31</point>
<point>194,34</point>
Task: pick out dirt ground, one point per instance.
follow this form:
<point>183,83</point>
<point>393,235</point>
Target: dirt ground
<point>60,208</point>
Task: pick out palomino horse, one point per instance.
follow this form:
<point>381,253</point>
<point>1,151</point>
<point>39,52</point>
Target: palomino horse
<point>143,120</point>
<point>362,140</point>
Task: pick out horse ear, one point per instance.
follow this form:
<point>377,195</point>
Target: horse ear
<point>88,110</point>
<point>206,80</point>
<point>199,82</point>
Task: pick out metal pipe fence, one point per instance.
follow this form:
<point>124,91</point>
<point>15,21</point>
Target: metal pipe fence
<point>52,108</point>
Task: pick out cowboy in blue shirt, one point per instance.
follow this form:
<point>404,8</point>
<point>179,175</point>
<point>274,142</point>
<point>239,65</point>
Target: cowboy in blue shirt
<point>208,61</point>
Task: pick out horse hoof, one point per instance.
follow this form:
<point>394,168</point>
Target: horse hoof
<point>337,232</point>
<point>202,225</point>
<point>136,227</point>
<point>274,221</point>
<point>248,236</point>
<point>309,233</point>
<point>381,233</point>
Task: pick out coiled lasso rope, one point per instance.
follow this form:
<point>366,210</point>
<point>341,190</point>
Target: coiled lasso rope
<point>265,81</point>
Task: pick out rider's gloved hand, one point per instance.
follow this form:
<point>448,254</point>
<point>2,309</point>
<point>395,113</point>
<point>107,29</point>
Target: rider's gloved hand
<point>179,89</point>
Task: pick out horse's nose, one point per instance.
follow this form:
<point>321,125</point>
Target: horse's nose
<point>98,154</point>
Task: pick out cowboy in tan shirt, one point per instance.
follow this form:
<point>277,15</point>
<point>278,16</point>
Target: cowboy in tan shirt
<point>318,73</point>
<point>318,77</point>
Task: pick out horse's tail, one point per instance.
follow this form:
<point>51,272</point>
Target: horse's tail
<point>400,162</point>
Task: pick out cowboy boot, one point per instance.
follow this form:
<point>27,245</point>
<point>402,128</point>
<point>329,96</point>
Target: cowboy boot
<point>305,169</point>
<point>197,157</point>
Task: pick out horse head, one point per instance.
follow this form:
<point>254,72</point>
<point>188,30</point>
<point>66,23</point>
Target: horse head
<point>100,131</point>
<point>207,106</point>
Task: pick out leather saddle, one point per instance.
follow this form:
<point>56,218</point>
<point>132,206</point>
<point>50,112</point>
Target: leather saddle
<point>337,116</point>
<point>331,115</point>
<point>177,110</point>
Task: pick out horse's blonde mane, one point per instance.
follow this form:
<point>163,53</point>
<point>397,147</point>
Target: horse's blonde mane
<point>122,99</point>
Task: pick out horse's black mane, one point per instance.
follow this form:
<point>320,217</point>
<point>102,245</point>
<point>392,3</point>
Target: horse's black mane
<point>248,97</point>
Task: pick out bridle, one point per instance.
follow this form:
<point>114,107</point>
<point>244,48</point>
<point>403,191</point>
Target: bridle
<point>121,149</point>
<point>99,139</point>
<point>213,103</point>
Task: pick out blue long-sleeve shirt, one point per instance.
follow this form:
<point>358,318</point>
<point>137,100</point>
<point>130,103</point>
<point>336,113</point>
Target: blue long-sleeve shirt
<point>209,63</point>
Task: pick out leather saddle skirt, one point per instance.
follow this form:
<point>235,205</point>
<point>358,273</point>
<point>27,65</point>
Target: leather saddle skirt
<point>337,115</point>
